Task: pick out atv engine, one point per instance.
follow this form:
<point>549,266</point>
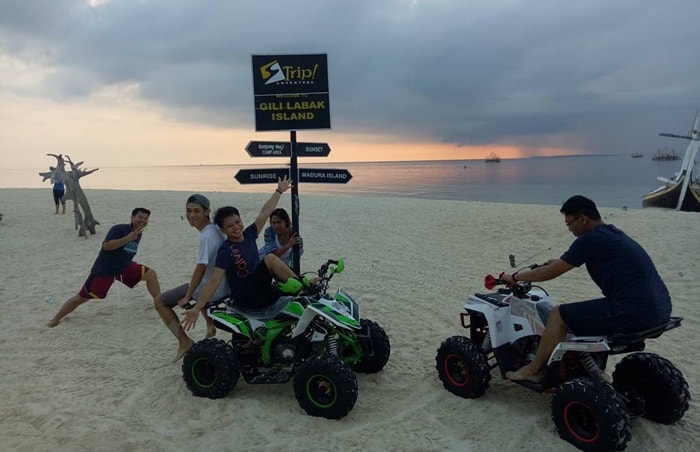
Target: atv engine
<point>284,351</point>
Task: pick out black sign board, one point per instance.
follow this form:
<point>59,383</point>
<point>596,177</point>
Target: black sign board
<point>290,74</point>
<point>324,175</point>
<point>291,92</point>
<point>261,175</point>
<point>284,149</point>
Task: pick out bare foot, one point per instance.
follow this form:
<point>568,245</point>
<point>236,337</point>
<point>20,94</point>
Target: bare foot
<point>525,373</point>
<point>52,323</point>
<point>182,350</point>
<point>211,331</point>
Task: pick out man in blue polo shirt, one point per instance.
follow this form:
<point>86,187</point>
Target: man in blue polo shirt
<point>635,297</point>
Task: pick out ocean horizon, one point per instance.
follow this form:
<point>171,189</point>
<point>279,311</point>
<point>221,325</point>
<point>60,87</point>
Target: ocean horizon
<point>611,180</point>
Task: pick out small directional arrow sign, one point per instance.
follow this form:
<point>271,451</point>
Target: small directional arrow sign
<point>324,175</point>
<point>284,149</point>
<point>313,149</point>
<point>261,175</point>
<point>269,149</point>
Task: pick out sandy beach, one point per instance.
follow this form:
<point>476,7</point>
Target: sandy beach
<point>104,380</point>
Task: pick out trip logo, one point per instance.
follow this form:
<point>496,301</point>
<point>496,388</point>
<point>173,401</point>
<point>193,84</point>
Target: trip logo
<point>275,73</point>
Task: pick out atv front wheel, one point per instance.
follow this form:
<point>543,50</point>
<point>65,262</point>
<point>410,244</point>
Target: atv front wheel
<point>210,369</point>
<point>325,386</point>
<point>657,385</point>
<point>463,367</point>
<point>376,350</point>
<point>590,415</point>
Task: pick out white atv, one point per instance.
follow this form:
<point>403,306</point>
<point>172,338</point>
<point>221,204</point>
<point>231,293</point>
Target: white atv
<point>589,410</point>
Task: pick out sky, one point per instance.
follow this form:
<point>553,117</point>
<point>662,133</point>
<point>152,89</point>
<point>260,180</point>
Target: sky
<point>169,82</point>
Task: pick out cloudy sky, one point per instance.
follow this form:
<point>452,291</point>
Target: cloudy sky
<point>157,82</point>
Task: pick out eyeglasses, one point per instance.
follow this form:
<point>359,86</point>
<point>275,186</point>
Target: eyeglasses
<point>568,223</point>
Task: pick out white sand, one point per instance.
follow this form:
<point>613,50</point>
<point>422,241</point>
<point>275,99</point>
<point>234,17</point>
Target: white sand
<point>103,379</point>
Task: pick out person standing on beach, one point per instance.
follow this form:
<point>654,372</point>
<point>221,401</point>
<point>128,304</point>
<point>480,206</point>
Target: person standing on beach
<point>115,263</point>
<point>59,191</point>
<point>238,260</point>
<point>210,239</point>
<point>635,297</point>
<point>280,238</point>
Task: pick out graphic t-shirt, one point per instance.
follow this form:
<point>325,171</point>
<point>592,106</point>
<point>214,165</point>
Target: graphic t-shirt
<point>239,259</point>
<point>112,263</point>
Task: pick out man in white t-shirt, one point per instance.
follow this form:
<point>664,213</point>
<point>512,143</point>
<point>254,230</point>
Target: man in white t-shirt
<point>210,239</point>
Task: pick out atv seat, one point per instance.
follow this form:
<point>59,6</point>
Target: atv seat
<point>266,313</point>
<point>626,340</point>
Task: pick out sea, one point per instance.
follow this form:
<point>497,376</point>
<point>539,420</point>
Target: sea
<point>617,181</point>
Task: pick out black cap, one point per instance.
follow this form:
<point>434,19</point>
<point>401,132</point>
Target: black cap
<point>199,199</point>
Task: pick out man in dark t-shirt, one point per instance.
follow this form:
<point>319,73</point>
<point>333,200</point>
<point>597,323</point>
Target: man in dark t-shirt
<point>635,297</point>
<point>238,260</point>
<point>115,263</point>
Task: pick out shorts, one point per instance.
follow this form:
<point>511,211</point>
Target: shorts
<point>170,297</point>
<point>258,291</point>
<point>601,317</point>
<point>98,286</point>
<point>58,196</point>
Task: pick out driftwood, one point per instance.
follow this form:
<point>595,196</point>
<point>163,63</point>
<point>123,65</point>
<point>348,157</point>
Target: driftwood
<point>84,222</point>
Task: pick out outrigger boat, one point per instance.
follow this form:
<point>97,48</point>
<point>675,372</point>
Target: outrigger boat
<point>682,191</point>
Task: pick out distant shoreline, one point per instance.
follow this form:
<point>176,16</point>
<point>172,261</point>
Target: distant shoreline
<point>317,161</point>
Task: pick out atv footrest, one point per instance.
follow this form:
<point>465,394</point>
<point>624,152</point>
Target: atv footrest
<point>537,387</point>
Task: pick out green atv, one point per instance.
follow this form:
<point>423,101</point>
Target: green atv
<point>314,337</point>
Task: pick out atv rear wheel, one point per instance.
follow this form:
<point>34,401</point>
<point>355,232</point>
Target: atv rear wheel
<point>210,369</point>
<point>657,382</point>
<point>590,415</point>
<point>377,350</point>
<point>325,386</point>
<point>462,367</point>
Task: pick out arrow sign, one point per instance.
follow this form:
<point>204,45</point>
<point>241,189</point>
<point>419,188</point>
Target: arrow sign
<point>284,149</point>
<point>261,176</point>
<point>313,149</point>
<point>269,149</point>
<point>327,176</point>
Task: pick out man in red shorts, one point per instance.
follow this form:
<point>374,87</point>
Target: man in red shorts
<point>115,263</point>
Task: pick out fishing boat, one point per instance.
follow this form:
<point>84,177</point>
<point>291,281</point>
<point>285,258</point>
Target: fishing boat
<point>637,155</point>
<point>665,154</point>
<point>492,158</point>
<point>682,191</point>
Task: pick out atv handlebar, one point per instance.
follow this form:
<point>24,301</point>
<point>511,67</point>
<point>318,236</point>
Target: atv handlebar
<point>490,281</point>
<point>324,275</point>
<point>339,265</point>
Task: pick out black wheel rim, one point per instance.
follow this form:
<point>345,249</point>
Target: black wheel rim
<point>321,391</point>
<point>581,422</point>
<point>204,373</point>
<point>456,370</point>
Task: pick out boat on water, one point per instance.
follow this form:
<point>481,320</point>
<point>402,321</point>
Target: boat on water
<point>637,155</point>
<point>492,158</point>
<point>665,154</point>
<point>682,191</point>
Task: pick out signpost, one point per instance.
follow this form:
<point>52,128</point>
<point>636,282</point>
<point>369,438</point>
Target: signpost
<point>290,93</point>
